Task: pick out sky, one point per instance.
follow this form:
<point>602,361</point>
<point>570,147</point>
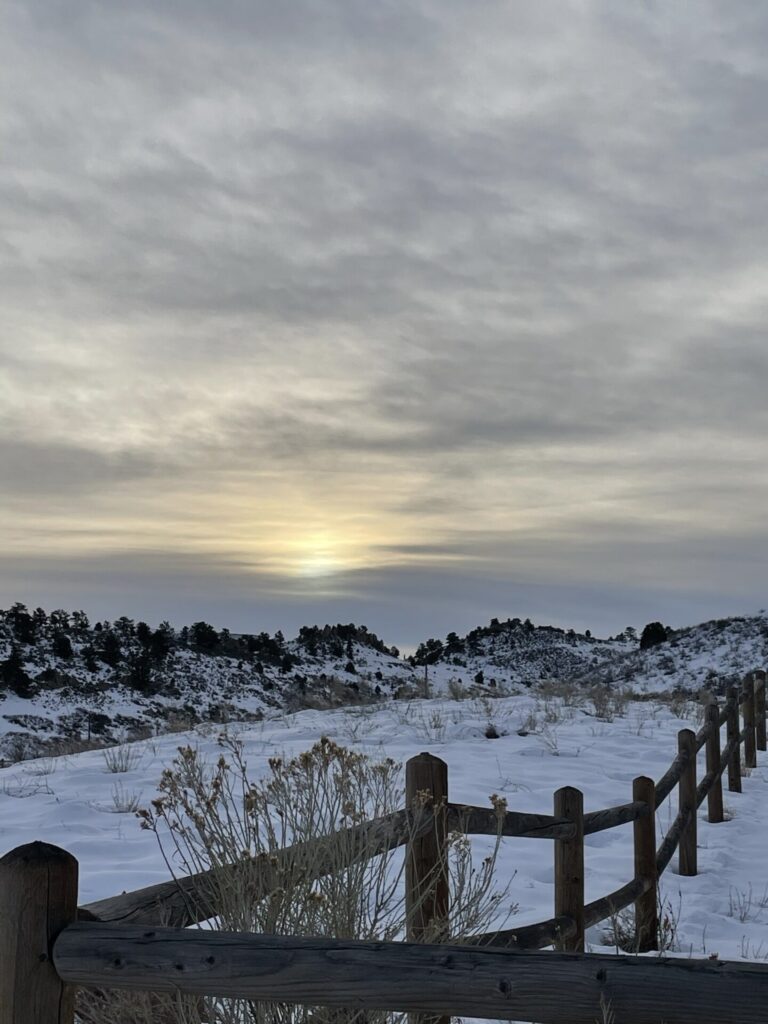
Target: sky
<point>404,313</point>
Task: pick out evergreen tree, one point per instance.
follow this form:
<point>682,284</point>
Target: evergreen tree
<point>653,634</point>
<point>13,676</point>
<point>111,652</point>
<point>59,619</point>
<point>89,657</point>
<point>140,671</point>
<point>161,643</point>
<point>204,637</point>
<point>143,634</point>
<point>62,646</point>
<point>80,624</point>
<point>21,623</point>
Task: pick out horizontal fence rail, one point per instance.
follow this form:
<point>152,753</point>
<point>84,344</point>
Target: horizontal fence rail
<point>549,988</point>
<point>48,945</point>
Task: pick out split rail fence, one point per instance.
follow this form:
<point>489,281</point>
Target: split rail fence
<point>49,946</point>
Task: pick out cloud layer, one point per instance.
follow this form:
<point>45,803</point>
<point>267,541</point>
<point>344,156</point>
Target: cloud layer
<point>429,310</point>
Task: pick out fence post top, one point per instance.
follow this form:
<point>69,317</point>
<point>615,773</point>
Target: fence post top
<point>644,780</point>
<point>568,791</point>
<point>37,852</point>
<point>426,756</point>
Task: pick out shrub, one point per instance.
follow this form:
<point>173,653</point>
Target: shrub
<point>653,634</point>
<point>123,758</point>
<point>337,882</point>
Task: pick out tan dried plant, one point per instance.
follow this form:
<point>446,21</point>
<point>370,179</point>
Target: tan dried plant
<point>315,848</point>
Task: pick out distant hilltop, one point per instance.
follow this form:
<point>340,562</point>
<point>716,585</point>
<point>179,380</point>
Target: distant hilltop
<point>64,678</point>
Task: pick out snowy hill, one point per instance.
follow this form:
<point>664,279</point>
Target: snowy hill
<point>516,652</point>
<point>63,679</point>
<point>712,655</point>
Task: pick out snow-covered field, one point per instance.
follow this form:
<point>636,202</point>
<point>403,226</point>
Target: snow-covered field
<point>723,910</point>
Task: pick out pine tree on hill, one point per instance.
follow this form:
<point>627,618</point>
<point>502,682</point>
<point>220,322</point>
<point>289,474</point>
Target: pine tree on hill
<point>13,676</point>
<point>653,634</point>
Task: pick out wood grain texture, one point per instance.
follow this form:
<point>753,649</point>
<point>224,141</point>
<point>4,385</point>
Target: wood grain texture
<point>484,821</point>
<point>190,899</point>
<point>426,875</point>
<point>427,890</point>
<point>671,776</point>
<point>748,709</point>
<point>672,839</point>
<point>605,907</point>
<point>760,724</point>
<point>569,867</point>
<point>550,988</point>
<point>715,795</point>
<point>38,898</point>
<point>646,904</point>
<point>610,817</point>
<point>705,731</point>
<point>732,734</point>
<point>529,936</point>
<point>688,802</point>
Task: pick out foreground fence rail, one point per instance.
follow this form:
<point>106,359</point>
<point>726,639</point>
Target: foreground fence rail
<point>425,979</point>
<point>49,946</point>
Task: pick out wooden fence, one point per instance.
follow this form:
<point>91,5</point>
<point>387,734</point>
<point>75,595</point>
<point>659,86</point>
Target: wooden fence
<point>48,945</point>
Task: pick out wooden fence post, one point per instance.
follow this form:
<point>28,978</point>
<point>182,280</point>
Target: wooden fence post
<point>569,867</point>
<point>750,747</point>
<point>646,906</point>
<point>715,795</point>
<point>426,863</point>
<point>686,744</point>
<point>732,733</point>
<point>38,897</point>
<point>760,725</point>
<point>426,886</point>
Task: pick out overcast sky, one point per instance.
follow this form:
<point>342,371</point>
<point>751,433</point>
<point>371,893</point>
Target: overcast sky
<point>404,313</point>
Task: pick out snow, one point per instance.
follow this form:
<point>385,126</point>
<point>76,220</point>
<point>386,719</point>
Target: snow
<point>67,697</point>
<point>69,801</point>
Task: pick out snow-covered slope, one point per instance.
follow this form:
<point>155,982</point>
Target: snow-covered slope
<point>516,652</point>
<point>63,678</point>
<point>712,655</point>
<point>75,802</point>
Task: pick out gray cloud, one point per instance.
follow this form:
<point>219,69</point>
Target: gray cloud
<point>446,274</point>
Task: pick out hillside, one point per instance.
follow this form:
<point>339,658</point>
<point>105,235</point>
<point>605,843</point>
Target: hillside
<point>712,654</point>
<point>66,680</point>
<point>62,677</point>
<point>515,652</point>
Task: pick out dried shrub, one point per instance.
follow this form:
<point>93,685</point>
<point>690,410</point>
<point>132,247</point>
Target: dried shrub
<point>338,880</point>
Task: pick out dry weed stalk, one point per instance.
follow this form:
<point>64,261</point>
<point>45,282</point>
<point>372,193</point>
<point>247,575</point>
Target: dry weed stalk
<point>340,878</point>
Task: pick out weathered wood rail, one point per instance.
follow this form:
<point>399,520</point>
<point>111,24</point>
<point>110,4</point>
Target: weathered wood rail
<point>48,945</point>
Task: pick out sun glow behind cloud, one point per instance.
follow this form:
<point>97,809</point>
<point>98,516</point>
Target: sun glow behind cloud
<point>307,300</point>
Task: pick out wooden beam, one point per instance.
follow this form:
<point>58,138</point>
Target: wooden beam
<point>732,736</point>
<point>569,867</point>
<point>715,795</point>
<point>191,899</point>
<point>485,821</point>
<point>750,743</point>
<point>426,859</point>
<point>687,801</point>
<point>760,723</point>
<point>646,905</point>
<point>38,898</point>
<point>550,988</point>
